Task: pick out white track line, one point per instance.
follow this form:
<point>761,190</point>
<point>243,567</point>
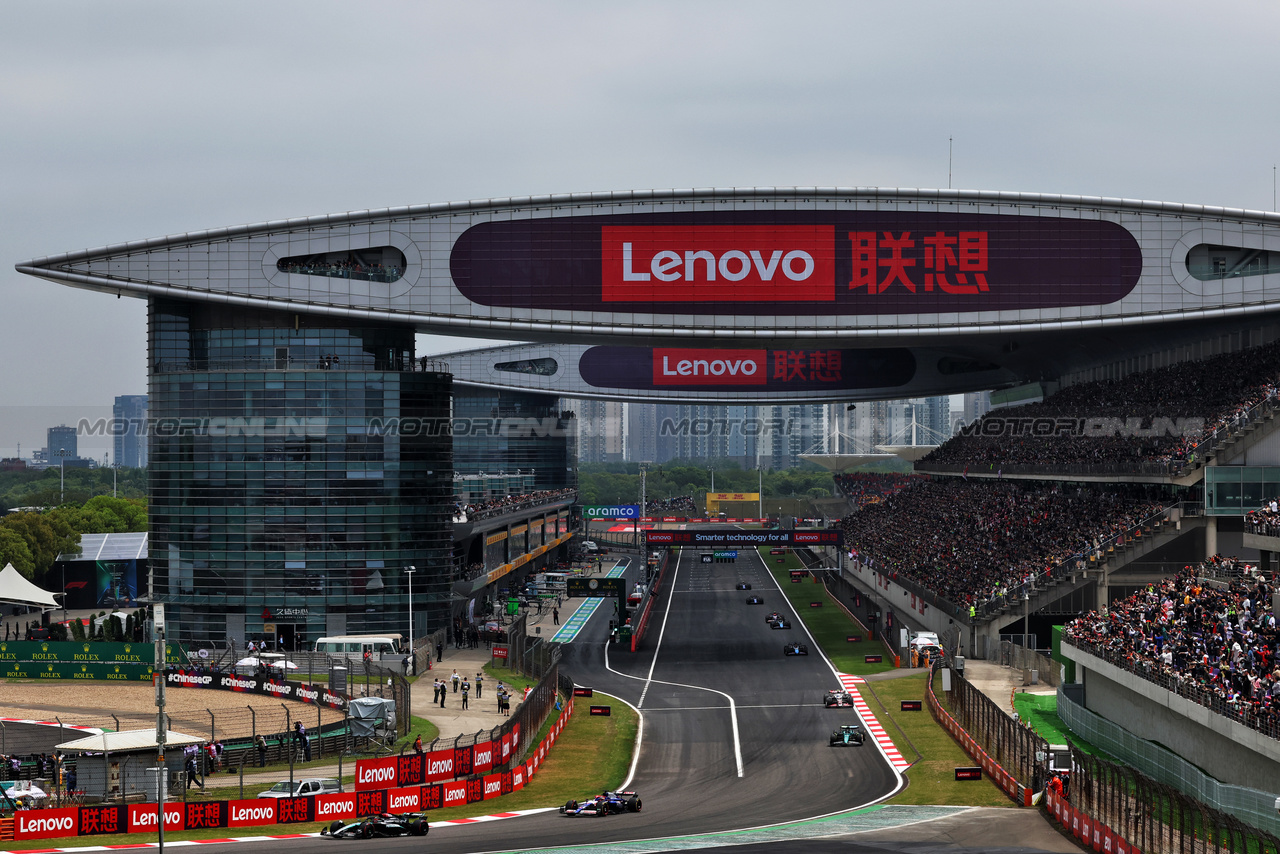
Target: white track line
<point>733,707</point>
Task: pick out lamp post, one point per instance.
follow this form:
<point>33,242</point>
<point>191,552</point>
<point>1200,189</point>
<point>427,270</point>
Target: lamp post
<point>413,666</point>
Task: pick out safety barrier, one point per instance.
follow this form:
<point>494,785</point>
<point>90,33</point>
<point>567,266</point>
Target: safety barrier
<point>1089,832</point>
<point>403,797</point>
<point>1019,793</point>
<point>651,595</point>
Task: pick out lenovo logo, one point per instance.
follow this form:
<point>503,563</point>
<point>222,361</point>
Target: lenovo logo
<point>375,775</point>
<point>750,263</point>
<point>709,367</point>
<point>439,766</point>
<point>256,814</point>
<point>28,824</point>
<point>336,806</point>
<point>403,802</point>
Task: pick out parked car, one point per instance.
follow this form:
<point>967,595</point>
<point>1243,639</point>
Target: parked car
<point>303,788</point>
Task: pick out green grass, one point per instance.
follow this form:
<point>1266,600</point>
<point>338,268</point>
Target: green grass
<point>930,780</point>
<point>591,755</point>
<point>1040,711</point>
<point>829,624</point>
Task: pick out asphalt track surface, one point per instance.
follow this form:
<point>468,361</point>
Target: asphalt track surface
<point>734,736</point>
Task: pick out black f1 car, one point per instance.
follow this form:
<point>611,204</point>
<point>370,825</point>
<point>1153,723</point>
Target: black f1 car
<point>779,623</point>
<point>606,803</point>
<point>837,697</point>
<point>773,615</point>
<point>848,734</point>
<point>376,826</point>
<point>754,600</point>
<point>795,649</point>
<point>743,585</point>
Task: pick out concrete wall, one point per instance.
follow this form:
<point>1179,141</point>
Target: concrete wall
<point>906,606</point>
<point>1225,750</point>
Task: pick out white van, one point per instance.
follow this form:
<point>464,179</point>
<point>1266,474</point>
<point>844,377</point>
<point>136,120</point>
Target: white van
<point>353,647</point>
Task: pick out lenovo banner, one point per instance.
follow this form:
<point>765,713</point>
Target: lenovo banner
<point>144,817</point>
<point>376,773</point>
<point>245,813</point>
<point>706,369</point>
<point>796,263</point>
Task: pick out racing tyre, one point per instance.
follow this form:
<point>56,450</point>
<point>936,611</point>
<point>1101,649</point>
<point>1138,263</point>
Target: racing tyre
<point>366,831</point>
<point>334,827</point>
<point>418,827</point>
<point>634,804</point>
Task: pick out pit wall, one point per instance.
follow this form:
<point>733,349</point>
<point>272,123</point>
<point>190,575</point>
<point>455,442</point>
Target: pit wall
<point>405,788</point>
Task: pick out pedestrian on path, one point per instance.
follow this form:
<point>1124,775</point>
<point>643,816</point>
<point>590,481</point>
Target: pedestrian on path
<point>439,651</point>
<point>465,691</point>
<point>479,684</point>
<point>456,680</point>
<point>444,692</point>
<point>555,616</point>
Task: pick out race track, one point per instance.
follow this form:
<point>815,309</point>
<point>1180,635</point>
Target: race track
<point>734,732</point>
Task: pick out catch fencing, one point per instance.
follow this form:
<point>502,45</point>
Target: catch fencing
<point>1010,744</point>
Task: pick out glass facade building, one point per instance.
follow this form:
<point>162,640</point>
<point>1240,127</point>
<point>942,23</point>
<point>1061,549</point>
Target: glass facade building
<point>509,432</point>
<point>298,464</point>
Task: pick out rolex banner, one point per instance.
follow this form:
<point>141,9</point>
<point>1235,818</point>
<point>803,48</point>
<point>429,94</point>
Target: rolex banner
<point>84,652</point>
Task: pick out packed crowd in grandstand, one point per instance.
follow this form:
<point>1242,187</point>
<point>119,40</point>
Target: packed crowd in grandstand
<point>681,505</point>
<point>1209,397</point>
<point>872,487</point>
<point>975,541</point>
<point>1209,639</point>
<point>474,510</point>
<point>1265,521</point>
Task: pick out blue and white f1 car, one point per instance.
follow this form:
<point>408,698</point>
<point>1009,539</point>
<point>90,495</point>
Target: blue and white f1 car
<point>606,803</point>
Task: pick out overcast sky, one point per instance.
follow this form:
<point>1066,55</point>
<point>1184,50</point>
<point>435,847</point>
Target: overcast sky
<point>122,121</point>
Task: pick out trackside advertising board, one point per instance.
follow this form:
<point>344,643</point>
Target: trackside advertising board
<point>737,538</point>
<point>475,787</point>
<point>300,692</point>
<point>704,369</point>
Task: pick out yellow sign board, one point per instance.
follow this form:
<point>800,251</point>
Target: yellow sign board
<point>715,498</point>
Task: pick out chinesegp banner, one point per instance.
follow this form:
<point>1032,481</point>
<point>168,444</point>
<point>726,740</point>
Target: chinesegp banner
<point>143,817</point>
<point>318,695</point>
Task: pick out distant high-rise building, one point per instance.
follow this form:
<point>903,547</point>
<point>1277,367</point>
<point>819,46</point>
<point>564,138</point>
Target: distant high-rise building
<point>61,444</point>
<point>602,431</point>
<point>130,413</point>
<point>976,405</point>
<point>642,432</point>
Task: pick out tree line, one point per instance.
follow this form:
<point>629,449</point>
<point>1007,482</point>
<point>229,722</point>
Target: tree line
<point>32,539</point>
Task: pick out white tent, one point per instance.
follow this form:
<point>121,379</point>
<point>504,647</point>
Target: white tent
<point>17,590</point>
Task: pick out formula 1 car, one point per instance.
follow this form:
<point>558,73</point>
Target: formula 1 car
<point>837,697</point>
<point>848,734</point>
<point>795,649</point>
<point>743,585</point>
<point>779,623</point>
<point>754,600</point>
<point>377,826</point>
<point>606,803</point>
<point>773,615</point>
